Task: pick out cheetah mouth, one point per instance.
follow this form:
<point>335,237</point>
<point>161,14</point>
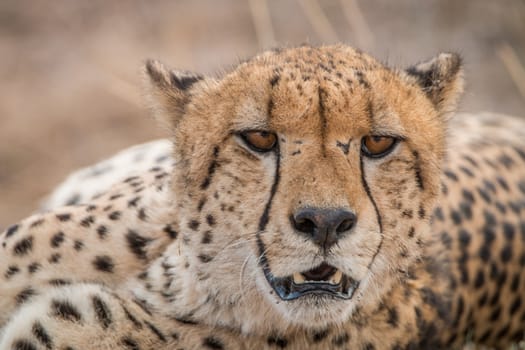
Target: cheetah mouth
<point>323,280</point>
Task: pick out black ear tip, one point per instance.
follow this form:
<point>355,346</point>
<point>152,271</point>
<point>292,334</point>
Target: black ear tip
<point>184,80</point>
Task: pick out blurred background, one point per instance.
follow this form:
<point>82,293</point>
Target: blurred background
<point>71,90</point>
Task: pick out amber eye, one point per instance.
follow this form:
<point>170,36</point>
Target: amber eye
<point>377,146</point>
<point>260,141</point>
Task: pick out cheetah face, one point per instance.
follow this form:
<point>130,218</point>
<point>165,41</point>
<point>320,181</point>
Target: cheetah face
<point>305,176</point>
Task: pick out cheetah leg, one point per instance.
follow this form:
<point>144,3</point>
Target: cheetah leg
<point>89,316</point>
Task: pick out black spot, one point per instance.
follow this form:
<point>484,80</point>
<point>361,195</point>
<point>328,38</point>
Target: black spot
<point>155,331</point>
<point>506,161</point>
<point>411,232</point>
<point>102,231</point>
<point>468,196</point>
<point>495,314</point>
<point>194,225</point>
<point>137,244</point>
<point>132,318</point>
<point>341,339</point>
<point>466,171</point>
<point>486,335</point>
<point>34,267</point>
<point>417,169</point>
<point>455,216</point>
<point>11,271</point>
<point>459,309</point>
<point>11,230</point>
<point>102,312</point>
<point>274,80</point>
<point>466,210</point>
<point>345,147</point>
<point>185,320</point>
<point>129,343</point>
<point>320,335</point>
<point>503,183</point>
<point>451,175</point>
<point>393,317</point>
<point>57,239</point>
<point>41,335</point>
<point>59,282</point>
<point>37,223</point>
<point>133,202</point>
<point>24,295</point>
<point>506,254</point>
<point>482,301</point>
<point>205,258</point>
<point>362,80</point>
<point>210,220</point>
<point>486,197</point>
<point>484,253</point>
<point>212,343</point>
<point>211,169</point>
<point>501,207</point>
<point>438,214</point>
<point>87,221</point>
<point>369,346</point>
<point>206,237</point>
<point>202,201</point>
<point>54,258</point>
<point>142,214</point>
<point>464,238</point>
<point>277,341</point>
<point>408,213</point>
<point>23,246</point>
<point>421,212</point>
<point>508,231</point>
<point>78,245</point>
<point>115,215</point>
<point>143,305</point>
<point>65,310</point>
<point>480,279</point>
<point>515,306</point>
<point>515,282</point>
<point>104,263</point>
<point>521,186</point>
<point>503,332</point>
<point>170,231</point>
<point>490,219</point>
<point>23,344</point>
<point>63,217</point>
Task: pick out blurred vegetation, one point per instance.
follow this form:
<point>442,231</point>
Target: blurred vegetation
<point>70,89</point>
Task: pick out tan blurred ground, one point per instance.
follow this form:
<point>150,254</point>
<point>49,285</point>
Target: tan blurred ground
<point>70,70</point>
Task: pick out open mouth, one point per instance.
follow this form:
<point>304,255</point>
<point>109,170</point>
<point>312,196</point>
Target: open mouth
<point>322,280</point>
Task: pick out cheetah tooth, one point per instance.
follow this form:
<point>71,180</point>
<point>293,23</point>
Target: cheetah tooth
<point>336,277</point>
<point>298,278</point>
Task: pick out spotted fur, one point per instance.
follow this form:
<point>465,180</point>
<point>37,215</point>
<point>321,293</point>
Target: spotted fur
<point>175,256</point>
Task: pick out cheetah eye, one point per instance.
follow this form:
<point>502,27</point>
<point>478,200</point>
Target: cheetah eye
<point>374,146</point>
<point>259,141</point>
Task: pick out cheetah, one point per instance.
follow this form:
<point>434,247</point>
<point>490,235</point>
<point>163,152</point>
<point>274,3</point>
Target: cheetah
<point>314,198</point>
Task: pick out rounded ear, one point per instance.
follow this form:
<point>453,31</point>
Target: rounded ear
<point>170,90</point>
<point>441,78</point>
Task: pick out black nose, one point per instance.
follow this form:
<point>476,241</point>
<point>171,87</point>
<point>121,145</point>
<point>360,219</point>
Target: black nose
<point>323,226</point>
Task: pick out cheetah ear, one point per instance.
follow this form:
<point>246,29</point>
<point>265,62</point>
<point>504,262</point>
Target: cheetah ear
<point>170,90</point>
<point>441,78</point>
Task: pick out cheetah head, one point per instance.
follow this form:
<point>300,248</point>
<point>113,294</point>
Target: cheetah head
<point>304,178</point>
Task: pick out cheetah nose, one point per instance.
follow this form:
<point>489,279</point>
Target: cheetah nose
<point>323,226</point>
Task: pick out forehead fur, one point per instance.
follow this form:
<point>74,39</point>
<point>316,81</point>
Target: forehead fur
<point>333,89</point>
